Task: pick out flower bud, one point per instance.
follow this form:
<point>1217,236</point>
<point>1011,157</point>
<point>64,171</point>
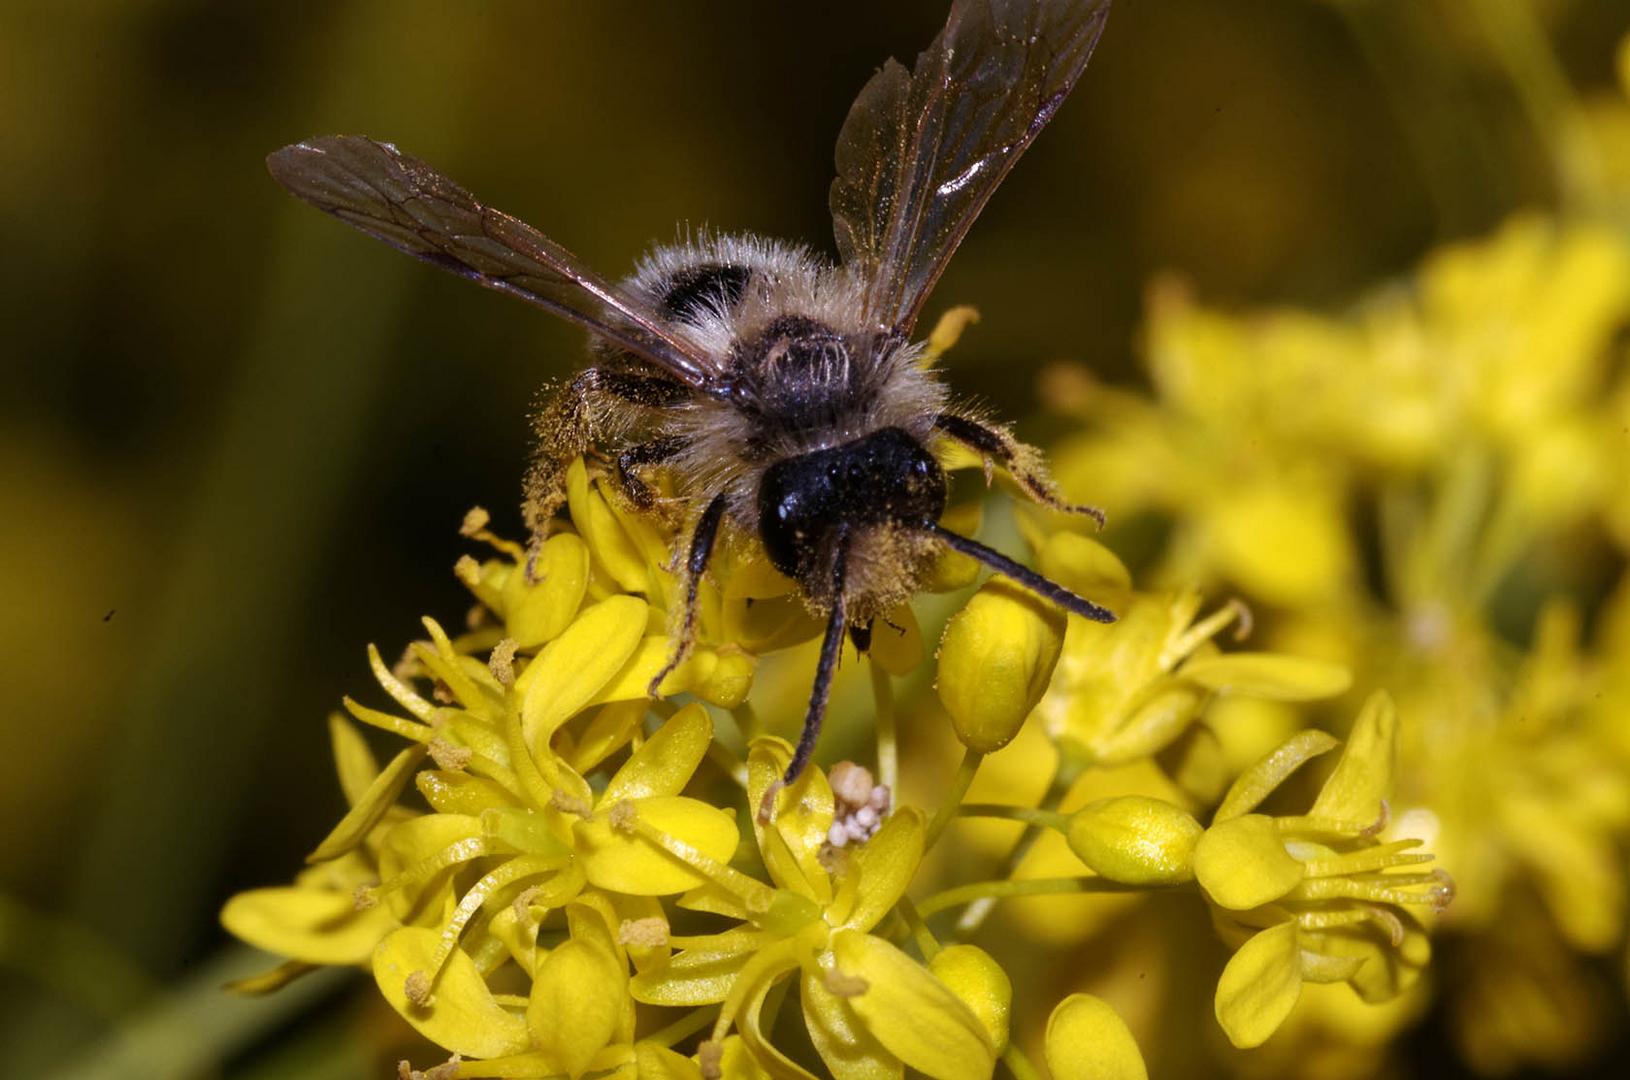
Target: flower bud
<point>1135,840</point>
<point>983,986</point>
<point>995,661</point>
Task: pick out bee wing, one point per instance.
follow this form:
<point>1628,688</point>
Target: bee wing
<point>376,188</point>
<point>922,150</point>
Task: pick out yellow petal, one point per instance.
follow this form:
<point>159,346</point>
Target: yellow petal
<point>461,1014</point>
<point>1242,863</point>
<point>995,660</point>
<point>576,1001</point>
<point>911,1012</point>
<point>462,792</point>
<point>1088,1040</point>
<point>802,821</point>
<point>1269,675</point>
<point>663,766</point>
<point>621,861</point>
<point>952,570</point>
<point>608,731</point>
<point>1259,987</point>
<point>884,866</point>
<point>1084,565</point>
<point>352,759</point>
<point>1136,840</point>
<point>613,549</point>
<point>537,612</point>
<point>701,975</point>
<point>1259,781</point>
<point>318,926</point>
<point>848,1050</point>
<point>574,667</point>
<point>976,978</point>
<point>657,1062</point>
<point>1363,776</point>
<point>365,814</point>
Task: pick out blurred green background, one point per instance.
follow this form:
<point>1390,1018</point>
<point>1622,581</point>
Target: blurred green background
<point>236,439</point>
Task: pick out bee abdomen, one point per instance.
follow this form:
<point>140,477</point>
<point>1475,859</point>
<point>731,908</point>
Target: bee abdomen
<point>697,292</point>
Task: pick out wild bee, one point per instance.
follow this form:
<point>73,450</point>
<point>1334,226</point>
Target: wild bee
<point>783,391</point>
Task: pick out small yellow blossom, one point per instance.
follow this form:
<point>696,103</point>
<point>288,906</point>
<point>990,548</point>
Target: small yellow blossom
<point>1316,897</point>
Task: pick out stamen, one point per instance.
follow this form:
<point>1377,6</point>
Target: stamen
<point>448,756</point>
<point>502,662</point>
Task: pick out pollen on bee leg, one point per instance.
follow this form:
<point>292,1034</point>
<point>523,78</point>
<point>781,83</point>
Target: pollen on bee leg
<point>364,897</point>
<point>860,804</point>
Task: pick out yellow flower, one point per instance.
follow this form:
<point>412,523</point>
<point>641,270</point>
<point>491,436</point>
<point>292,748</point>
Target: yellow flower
<point>868,1005</point>
<point>587,889</point>
<point>1317,897</point>
<point>1127,690</point>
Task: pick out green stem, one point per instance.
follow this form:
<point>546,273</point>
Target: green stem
<point>1030,815</point>
<point>1520,45</point>
<point>685,1026</point>
<point>924,937</point>
<point>1018,1064</point>
<point>1064,775</point>
<point>888,751</point>
<point>953,798</point>
<point>1005,888</point>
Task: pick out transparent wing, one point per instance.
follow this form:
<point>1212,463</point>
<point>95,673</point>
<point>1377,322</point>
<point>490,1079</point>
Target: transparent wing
<point>374,187</point>
<point>922,150</point>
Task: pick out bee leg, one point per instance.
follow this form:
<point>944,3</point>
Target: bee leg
<point>647,453</point>
<point>831,652</point>
<point>701,548</point>
<point>861,635</point>
<point>566,426</point>
<point>1043,587</point>
<point>1022,461</point>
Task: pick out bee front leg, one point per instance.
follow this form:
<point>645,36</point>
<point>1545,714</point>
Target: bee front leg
<point>1022,461</point>
<point>636,457</point>
<point>702,539</point>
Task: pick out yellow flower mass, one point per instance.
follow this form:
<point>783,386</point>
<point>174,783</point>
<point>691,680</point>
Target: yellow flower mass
<point>1373,646</point>
<point>558,876</point>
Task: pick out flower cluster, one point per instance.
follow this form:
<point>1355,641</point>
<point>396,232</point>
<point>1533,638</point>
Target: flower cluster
<point>1433,494</point>
<point>575,885</point>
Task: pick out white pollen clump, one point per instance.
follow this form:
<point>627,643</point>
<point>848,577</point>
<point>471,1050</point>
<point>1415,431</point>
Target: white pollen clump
<point>859,804</point>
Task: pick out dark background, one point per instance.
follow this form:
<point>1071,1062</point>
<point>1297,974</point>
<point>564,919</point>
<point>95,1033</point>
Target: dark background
<point>236,439</point>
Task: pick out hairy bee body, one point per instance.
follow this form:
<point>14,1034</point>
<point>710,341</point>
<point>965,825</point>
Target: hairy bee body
<point>805,378</point>
<point>781,391</point>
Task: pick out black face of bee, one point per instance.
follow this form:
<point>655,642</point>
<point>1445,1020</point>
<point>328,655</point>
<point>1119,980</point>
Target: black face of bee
<point>886,477</point>
<point>698,290</point>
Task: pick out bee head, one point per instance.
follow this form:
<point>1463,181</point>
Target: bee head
<point>878,489</point>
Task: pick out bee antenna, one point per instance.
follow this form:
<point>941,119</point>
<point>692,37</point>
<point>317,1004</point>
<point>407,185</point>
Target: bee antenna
<point>1018,572</point>
<point>831,651</point>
